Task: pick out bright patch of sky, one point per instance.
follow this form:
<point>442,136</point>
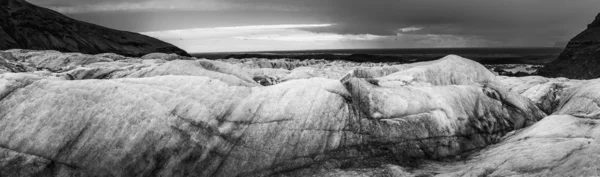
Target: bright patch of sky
<point>409,29</point>
<point>298,37</point>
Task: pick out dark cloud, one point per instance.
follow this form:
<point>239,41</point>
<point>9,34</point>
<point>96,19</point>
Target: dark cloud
<point>510,22</point>
<point>527,22</point>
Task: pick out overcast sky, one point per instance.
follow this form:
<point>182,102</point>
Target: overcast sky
<point>255,25</point>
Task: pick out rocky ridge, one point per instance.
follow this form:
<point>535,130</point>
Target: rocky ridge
<point>72,114</point>
<point>581,57</point>
<point>26,26</point>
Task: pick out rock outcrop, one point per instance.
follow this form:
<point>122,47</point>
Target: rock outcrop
<point>581,57</point>
<point>26,26</point>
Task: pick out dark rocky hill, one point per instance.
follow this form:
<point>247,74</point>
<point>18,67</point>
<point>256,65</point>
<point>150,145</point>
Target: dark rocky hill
<point>581,57</point>
<point>26,26</point>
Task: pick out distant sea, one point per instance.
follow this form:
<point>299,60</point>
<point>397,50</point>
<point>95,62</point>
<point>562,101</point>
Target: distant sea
<point>482,55</point>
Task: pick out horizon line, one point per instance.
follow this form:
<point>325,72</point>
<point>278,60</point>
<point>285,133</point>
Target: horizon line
<point>347,49</point>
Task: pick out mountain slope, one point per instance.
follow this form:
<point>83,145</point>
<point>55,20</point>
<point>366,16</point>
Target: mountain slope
<point>26,26</point>
<point>581,57</point>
